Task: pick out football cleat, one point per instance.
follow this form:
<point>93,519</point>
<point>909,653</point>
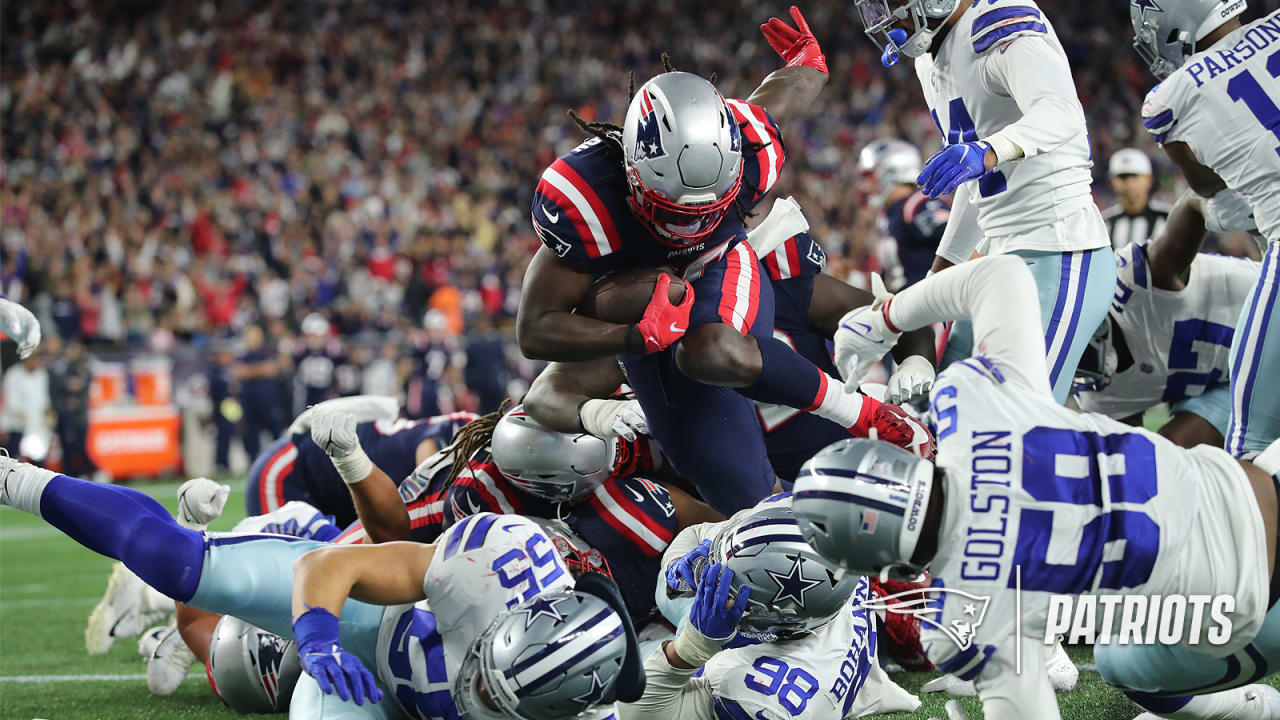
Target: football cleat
<point>295,518</point>
<point>120,612</point>
<point>200,502</point>
<point>8,465</point>
<point>1062,672</point>
<point>169,661</point>
<point>150,640</point>
<point>1252,702</point>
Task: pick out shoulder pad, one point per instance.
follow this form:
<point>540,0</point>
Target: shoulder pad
<point>1159,114</point>
<point>761,168</point>
<point>570,218</point>
<point>1005,21</point>
<point>799,256</point>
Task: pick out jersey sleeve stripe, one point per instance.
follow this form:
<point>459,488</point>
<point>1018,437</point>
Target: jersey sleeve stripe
<point>493,495</point>
<point>455,536</point>
<point>912,206</point>
<point>987,19</point>
<point>271,486</point>
<point>1007,29</point>
<point>758,130</point>
<point>771,266</point>
<point>638,526</point>
<point>792,250</point>
<point>663,534</point>
<point>1157,123</point>
<point>478,533</point>
<point>566,188</point>
<point>740,291</point>
<point>1140,273</point>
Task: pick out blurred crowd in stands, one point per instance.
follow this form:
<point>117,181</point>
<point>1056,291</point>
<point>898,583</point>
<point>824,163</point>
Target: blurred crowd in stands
<point>332,196</point>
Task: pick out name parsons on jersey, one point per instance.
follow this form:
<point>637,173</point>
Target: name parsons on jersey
<point>1258,38</point>
<point>991,465</point>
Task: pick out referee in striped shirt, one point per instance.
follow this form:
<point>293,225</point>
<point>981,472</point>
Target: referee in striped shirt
<point>1137,218</point>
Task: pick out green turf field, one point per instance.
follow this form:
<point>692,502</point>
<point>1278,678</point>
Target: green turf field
<point>48,585</point>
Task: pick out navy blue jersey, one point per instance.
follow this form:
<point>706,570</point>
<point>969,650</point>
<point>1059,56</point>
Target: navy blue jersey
<point>793,436</point>
<point>580,208</point>
<point>392,445</point>
<point>914,225</point>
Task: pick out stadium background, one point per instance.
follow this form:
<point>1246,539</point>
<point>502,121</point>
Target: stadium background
<point>176,174</point>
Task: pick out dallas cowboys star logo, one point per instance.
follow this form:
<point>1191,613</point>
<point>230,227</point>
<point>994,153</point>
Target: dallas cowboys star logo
<point>594,692</point>
<point>793,584</point>
<point>538,608</point>
<point>1145,5</point>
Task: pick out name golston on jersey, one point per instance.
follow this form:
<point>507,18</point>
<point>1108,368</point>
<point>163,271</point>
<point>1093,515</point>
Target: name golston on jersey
<point>1180,340</point>
<point>1221,103</point>
<point>580,209</point>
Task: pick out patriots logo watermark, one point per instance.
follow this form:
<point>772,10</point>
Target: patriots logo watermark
<point>648,134</point>
<point>925,604</point>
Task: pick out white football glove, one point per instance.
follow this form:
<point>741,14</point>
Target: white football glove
<point>607,418</point>
<point>200,502</point>
<point>20,326</point>
<point>862,338</point>
<point>954,711</point>
<point>912,378</point>
<point>335,432</point>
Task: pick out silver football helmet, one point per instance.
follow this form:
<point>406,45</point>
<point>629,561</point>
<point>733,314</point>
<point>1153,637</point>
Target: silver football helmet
<point>889,162</point>
<point>861,504</point>
<point>550,658</point>
<point>1167,32</point>
<point>555,466</point>
<point>925,17</point>
<point>683,154</point>
<point>794,590</point>
<point>1100,360</point>
<point>252,670</point>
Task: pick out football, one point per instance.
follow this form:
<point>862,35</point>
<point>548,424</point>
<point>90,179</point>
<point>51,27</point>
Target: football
<point>621,296</point>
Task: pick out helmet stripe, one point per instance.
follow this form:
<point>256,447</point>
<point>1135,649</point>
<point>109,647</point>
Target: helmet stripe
<point>534,658</point>
<point>556,672</point>
<point>841,472</point>
<point>851,498</point>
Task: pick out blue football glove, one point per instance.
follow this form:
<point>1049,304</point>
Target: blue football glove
<point>953,165</point>
<point>889,57</point>
<point>711,613</point>
<point>682,575</point>
<point>334,669</point>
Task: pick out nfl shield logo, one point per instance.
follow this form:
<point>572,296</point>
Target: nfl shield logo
<point>648,135</point>
<point>869,519</point>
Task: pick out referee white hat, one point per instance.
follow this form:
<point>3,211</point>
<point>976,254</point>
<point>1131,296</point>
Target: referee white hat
<point>1129,161</point>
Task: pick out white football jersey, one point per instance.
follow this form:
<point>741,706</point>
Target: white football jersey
<point>1222,104</point>
<point>1073,503</point>
<point>827,675</point>
<point>1180,340</point>
<point>483,566</point>
<point>1021,195</point>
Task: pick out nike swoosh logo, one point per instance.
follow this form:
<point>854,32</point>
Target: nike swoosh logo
<point>554,217</point>
<point>861,330</point>
<point>677,329</point>
<point>636,493</point>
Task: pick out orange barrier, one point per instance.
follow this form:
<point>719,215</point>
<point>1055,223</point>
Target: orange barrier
<point>136,441</point>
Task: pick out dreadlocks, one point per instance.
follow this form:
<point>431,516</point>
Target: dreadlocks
<point>471,438</point>
<point>611,136</point>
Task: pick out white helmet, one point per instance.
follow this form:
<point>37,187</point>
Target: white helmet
<point>889,162</point>
<point>683,155</point>
<point>1168,31</point>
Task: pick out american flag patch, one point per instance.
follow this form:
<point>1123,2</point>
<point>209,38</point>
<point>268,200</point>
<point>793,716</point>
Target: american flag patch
<point>869,519</point>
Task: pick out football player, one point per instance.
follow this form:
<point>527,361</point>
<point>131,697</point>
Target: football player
<point>18,324</point>
<point>486,623</point>
<point>809,305</point>
<point>673,187</point>
<point>1028,499</point>
<point>772,630</point>
<point>998,84</point>
<point>1214,113</point>
<point>1167,335</point>
<point>910,223</point>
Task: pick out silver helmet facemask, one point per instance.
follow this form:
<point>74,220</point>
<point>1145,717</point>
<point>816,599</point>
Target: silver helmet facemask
<point>1099,362</point>
<point>925,17</point>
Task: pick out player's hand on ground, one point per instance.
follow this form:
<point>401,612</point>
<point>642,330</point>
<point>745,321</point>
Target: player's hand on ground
<point>952,165</point>
<point>335,670</point>
<point>910,380</point>
<point>682,575</point>
<point>893,424</point>
<point>334,432</point>
<point>796,45</point>
<point>19,325</point>
<point>664,322</point>
<point>714,613</point>
<point>609,418</point>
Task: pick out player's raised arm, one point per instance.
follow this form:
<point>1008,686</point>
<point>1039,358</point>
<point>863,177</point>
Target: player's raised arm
<point>1169,255</point>
<point>787,93</point>
<point>377,502</point>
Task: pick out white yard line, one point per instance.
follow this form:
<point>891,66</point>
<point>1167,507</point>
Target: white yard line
<point>81,678</point>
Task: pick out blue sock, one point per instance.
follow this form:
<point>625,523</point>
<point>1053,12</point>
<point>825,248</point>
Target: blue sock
<point>786,378</point>
<point>128,526</point>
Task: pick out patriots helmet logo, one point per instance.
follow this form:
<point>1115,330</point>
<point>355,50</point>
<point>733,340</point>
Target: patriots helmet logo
<point>735,134</point>
<point>648,134</point>
<point>1145,5</point>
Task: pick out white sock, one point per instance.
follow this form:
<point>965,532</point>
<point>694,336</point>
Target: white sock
<point>25,486</point>
<point>840,407</point>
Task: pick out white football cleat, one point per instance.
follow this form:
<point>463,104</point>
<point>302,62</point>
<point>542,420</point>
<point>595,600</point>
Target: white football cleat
<point>168,663</point>
<point>122,611</point>
<point>1252,702</point>
<point>951,685</point>
<point>200,502</point>
<point>150,640</point>
<point>1062,672</point>
<point>22,484</point>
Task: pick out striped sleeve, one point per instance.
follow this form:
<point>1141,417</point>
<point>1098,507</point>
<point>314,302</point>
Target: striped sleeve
<point>761,167</point>
<point>1005,22</point>
<point>638,511</point>
<point>479,488</point>
<point>569,217</point>
<point>1158,115</point>
<point>799,256</point>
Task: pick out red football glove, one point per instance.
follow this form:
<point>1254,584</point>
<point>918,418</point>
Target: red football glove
<point>634,457</point>
<point>892,424</point>
<point>899,634</point>
<point>797,45</point>
<point>664,323</point>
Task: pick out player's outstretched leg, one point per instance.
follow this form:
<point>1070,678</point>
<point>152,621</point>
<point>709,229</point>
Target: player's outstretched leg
<point>1255,362</point>
<point>1252,702</point>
